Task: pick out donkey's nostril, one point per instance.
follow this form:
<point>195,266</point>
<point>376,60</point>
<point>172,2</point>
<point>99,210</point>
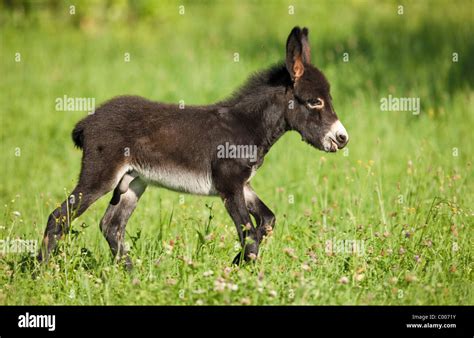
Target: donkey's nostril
<point>341,137</point>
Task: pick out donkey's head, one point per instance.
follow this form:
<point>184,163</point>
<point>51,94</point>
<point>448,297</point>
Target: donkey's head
<point>311,113</point>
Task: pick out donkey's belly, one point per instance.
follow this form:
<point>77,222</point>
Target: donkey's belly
<point>178,179</point>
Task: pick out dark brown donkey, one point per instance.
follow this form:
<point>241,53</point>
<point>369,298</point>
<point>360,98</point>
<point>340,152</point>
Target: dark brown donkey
<point>130,142</point>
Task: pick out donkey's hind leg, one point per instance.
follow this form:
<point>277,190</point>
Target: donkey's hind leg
<point>90,188</point>
<point>60,219</point>
<point>114,221</point>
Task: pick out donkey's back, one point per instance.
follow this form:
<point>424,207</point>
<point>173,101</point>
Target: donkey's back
<point>133,117</point>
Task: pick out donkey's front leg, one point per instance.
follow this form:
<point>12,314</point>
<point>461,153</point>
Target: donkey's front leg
<point>264,217</point>
<point>235,205</point>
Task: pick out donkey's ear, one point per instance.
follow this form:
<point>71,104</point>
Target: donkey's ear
<point>294,54</point>
<point>305,44</point>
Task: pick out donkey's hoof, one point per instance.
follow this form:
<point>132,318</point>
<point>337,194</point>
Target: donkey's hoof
<point>39,259</point>
<point>249,257</point>
<point>128,266</point>
<point>125,262</point>
<point>237,259</point>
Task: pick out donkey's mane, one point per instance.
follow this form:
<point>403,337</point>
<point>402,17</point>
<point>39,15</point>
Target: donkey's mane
<point>258,88</point>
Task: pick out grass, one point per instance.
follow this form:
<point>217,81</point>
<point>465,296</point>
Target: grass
<point>403,189</point>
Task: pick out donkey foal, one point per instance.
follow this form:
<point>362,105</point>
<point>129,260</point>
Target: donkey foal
<point>130,142</point>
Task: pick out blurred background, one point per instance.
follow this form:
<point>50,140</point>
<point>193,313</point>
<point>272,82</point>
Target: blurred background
<point>186,50</point>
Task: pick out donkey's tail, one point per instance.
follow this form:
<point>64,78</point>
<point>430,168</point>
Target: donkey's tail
<point>78,135</point>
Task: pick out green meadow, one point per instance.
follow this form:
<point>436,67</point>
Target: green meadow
<point>387,220</point>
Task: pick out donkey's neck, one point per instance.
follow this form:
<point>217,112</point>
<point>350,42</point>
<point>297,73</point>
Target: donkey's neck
<point>261,104</point>
<point>271,123</point>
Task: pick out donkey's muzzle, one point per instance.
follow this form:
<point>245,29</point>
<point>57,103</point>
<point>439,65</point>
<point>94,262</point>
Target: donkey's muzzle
<point>336,138</point>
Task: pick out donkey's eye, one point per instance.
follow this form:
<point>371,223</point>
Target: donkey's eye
<point>315,103</point>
